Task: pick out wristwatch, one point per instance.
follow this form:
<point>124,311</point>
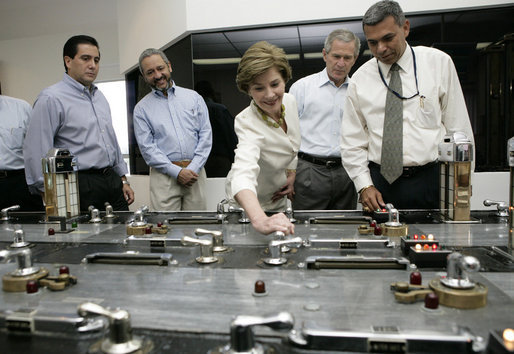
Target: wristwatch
<point>124,181</point>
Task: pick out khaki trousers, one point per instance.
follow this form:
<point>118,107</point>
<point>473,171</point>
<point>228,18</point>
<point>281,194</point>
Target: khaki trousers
<point>166,194</point>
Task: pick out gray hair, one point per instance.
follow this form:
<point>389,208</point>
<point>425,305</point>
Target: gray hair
<point>342,35</point>
<point>149,52</point>
<point>382,9</point>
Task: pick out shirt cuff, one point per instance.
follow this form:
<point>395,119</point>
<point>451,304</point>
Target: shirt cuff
<point>362,181</point>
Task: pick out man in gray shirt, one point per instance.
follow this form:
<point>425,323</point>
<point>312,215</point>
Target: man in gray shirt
<point>75,115</point>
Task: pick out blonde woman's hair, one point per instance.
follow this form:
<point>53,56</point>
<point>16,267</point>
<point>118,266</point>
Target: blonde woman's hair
<point>259,58</point>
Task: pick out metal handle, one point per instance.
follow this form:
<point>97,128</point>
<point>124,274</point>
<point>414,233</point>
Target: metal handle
<point>90,308</point>
<point>206,248</point>
<point>120,331</point>
<point>241,333</point>
<point>201,232</point>
<point>244,219</point>
<point>501,206</point>
<point>138,219</point>
<point>394,216</point>
<point>275,245</point>
<point>458,267</point>
<point>217,239</point>
<point>5,212</point>
<point>95,214</point>
<point>220,207</point>
<point>290,214</point>
<point>489,202</point>
<point>109,211</point>
<point>19,239</point>
<point>23,260</point>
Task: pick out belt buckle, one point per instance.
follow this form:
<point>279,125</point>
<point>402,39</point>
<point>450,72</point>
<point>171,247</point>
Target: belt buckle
<point>408,172</point>
<point>330,164</point>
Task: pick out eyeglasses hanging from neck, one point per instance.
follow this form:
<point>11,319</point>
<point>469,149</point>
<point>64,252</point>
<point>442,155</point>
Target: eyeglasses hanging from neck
<point>415,77</point>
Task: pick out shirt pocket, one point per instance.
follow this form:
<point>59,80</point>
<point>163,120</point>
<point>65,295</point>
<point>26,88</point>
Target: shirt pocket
<point>12,137</point>
<point>428,112</point>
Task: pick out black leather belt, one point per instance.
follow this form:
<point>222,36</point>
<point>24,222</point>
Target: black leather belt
<point>408,171</point>
<point>97,171</point>
<point>10,173</point>
<point>327,162</point>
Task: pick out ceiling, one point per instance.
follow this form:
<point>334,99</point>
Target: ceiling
<point>426,29</point>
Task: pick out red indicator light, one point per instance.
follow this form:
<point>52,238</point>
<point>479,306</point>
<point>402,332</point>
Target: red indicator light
<point>260,287</point>
<point>434,247</point>
<point>415,236</point>
<point>32,287</point>
<point>432,301</point>
<point>415,278</point>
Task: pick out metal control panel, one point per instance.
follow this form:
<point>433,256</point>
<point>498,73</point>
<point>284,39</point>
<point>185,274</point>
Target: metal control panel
<point>173,302</point>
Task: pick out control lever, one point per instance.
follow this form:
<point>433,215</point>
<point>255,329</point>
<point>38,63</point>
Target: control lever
<point>241,332</point>
<point>139,214</point>
<point>206,249</point>
<point>502,207</point>
<point>23,259</point>
<point>276,251</point>
<point>458,267</point>
<point>244,219</point>
<point>5,212</point>
<point>290,215</point>
<point>394,217</point>
<point>217,239</point>
<point>19,239</point>
<point>109,212</point>
<point>279,235</point>
<point>95,215</point>
<point>220,209</point>
<point>120,339</point>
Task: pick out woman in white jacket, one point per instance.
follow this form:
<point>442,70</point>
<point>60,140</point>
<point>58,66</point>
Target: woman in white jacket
<point>264,168</point>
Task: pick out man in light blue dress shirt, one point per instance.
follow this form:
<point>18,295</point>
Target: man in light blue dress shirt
<point>14,119</point>
<point>321,181</point>
<point>73,114</point>
<point>172,128</point>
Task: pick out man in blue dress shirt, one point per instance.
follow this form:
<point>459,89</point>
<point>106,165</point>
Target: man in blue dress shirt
<point>172,128</point>
<point>321,181</point>
<point>14,120</point>
<point>75,115</point>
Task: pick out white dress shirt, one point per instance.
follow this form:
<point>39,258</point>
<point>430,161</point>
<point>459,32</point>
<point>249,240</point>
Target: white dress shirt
<point>263,154</point>
<point>439,108</point>
<point>320,109</point>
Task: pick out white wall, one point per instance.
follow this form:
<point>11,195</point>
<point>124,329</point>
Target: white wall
<point>27,65</point>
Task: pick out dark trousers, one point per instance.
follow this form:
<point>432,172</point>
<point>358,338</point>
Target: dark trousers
<point>96,187</point>
<point>319,187</point>
<point>14,191</point>
<point>417,188</point>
